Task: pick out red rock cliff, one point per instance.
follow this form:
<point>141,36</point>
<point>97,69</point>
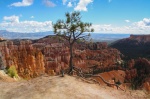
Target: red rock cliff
<point>140,38</point>
<point>50,54</point>
<point>28,61</point>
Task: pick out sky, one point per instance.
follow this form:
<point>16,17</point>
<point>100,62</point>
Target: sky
<point>106,16</point>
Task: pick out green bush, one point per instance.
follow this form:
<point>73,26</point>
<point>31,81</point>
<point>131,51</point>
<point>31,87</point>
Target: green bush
<point>12,72</point>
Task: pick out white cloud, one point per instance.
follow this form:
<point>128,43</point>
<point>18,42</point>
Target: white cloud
<point>102,28</point>
<point>64,2</point>
<point>13,24</point>
<point>69,4</point>
<point>12,19</point>
<point>49,3</point>
<point>140,27</point>
<point>144,23</point>
<point>23,3</point>
<point>82,5</point>
<point>32,17</point>
<point>127,21</point>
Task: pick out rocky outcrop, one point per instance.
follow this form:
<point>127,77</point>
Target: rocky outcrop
<point>56,52</point>
<point>104,58</point>
<point>51,54</point>
<point>140,38</point>
<point>134,44</point>
<point>28,60</point>
<point>56,57</point>
<point>139,73</point>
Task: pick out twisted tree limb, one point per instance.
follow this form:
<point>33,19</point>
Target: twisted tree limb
<point>108,83</point>
<point>83,75</point>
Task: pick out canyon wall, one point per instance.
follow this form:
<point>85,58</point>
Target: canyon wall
<point>28,60</point>
<point>134,44</point>
<point>140,38</point>
<point>51,54</point>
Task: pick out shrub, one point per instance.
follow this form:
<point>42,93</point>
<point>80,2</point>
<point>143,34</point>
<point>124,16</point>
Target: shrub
<point>12,72</point>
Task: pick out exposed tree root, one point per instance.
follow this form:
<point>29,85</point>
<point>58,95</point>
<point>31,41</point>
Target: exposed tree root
<point>108,83</point>
<point>84,76</point>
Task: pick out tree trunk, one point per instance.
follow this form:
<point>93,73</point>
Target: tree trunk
<point>71,58</point>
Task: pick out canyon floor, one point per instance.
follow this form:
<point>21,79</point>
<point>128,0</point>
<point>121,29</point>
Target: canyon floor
<point>68,87</point>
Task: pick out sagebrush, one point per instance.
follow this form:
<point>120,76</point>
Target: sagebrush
<point>12,72</point>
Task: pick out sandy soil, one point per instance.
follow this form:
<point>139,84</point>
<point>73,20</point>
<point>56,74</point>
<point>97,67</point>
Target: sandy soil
<point>68,87</point>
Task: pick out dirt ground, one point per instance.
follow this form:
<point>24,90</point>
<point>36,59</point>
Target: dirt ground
<point>68,87</point>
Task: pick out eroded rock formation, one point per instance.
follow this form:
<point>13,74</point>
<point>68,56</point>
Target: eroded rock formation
<point>139,73</point>
<point>28,60</point>
<point>51,54</point>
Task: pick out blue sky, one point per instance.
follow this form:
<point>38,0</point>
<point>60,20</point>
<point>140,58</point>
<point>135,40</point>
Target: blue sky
<point>107,16</point>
